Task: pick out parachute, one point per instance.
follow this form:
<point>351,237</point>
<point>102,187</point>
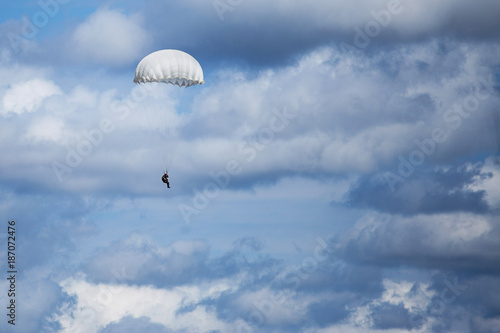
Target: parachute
<point>161,74</point>
<point>169,66</point>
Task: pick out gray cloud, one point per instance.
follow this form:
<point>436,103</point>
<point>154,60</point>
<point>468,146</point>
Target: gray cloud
<point>127,262</point>
<point>328,312</point>
<point>428,192</point>
<point>387,316</point>
<point>179,263</point>
<point>264,33</point>
<point>447,242</point>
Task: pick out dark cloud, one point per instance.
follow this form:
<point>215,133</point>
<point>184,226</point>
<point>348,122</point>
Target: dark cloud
<point>41,299</point>
<point>262,34</point>
<point>478,292</point>
<point>269,34</point>
<point>335,277</point>
<point>426,192</point>
<point>462,243</point>
<point>461,303</point>
<point>329,312</point>
<point>386,316</point>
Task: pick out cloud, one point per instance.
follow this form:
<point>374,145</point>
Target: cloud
<point>270,34</point>
<point>430,192</point>
<point>329,113</point>
<point>396,308</point>
<point>491,184</point>
<point>83,95</point>
<point>257,33</point>
<point>110,37</point>
<point>443,241</point>
<point>350,112</point>
<point>328,312</point>
<point>464,291</point>
<point>331,128</point>
<point>28,96</point>
<point>181,262</point>
<point>386,316</point>
<point>130,324</point>
<point>235,290</point>
<point>99,305</point>
<point>50,129</point>
<point>41,298</point>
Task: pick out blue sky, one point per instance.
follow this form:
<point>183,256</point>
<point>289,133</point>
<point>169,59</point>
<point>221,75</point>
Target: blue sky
<point>339,170</point>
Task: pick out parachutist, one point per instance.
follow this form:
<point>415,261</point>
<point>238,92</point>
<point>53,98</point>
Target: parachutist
<point>164,179</point>
<point>165,67</point>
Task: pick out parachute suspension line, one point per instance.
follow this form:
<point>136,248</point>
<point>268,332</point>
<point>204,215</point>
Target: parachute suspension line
<point>170,124</point>
<point>183,107</point>
<point>153,114</point>
<point>164,110</point>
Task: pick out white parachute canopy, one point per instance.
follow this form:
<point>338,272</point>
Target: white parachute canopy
<point>169,66</point>
<point>159,73</point>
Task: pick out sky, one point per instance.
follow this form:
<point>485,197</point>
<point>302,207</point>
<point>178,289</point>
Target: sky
<point>338,171</point>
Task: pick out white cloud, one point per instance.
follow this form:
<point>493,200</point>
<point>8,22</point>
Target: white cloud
<point>28,96</point>
<point>48,129</point>
<point>351,113</point>
<point>110,37</point>
<point>490,185</point>
<point>98,305</point>
<point>82,95</point>
<point>403,292</point>
<point>12,72</point>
